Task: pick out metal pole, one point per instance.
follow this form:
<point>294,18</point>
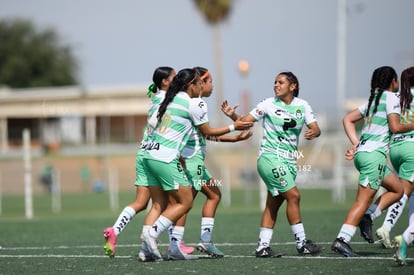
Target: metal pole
<point>113,188</point>
<point>218,66</point>
<point>225,172</point>
<point>28,198</point>
<point>338,194</point>
<point>1,195</point>
<point>56,192</point>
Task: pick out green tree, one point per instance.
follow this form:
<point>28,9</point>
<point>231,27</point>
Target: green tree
<point>32,58</point>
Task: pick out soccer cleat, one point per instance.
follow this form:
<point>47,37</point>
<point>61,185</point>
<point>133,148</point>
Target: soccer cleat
<point>400,249</point>
<point>110,242</point>
<point>309,247</point>
<point>152,246</point>
<point>177,254</point>
<point>365,226</point>
<point>185,249</point>
<point>267,252</point>
<point>340,246</point>
<point>144,255</point>
<point>210,249</point>
<point>384,237</point>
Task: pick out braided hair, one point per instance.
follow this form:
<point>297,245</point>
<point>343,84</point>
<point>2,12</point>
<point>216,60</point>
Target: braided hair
<point>181,82</point>
<point>160,73</point>
<point>381,80</point>
<point>407,83</point>
<point>292,80</point>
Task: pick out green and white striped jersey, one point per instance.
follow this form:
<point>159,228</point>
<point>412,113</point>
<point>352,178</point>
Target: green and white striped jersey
<point>152,115</point>
<point>405,118</point>
<point>196,142</point>
<point>282,125</point>
<point>171,135</point>
<point>375,133</point>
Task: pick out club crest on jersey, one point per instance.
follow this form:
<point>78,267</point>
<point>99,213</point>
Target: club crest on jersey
<point>299,114</point>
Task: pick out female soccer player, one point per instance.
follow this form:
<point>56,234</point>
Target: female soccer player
<point>193,154</point>
<point>176,117</point>
<point>381,118</point>
<point>403,162</point>
<point>283,116</point>
<point>161,78</point>
<point>401,155</point>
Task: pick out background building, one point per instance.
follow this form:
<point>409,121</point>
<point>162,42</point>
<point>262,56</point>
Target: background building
<point>72,115</point>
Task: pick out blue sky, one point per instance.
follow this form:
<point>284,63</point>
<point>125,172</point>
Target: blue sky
<point>122,42</point>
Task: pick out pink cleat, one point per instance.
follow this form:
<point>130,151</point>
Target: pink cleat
<point>110,241</point>
<point>186,249</point>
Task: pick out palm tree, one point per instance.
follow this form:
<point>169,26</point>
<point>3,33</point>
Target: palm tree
<point>215,12</point>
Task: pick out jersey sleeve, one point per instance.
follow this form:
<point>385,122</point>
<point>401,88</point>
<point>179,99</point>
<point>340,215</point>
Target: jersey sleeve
<point>363,109</point>
<point>393,104</point>
<point>309,115</point>
<point>258,112</point>
<point>153,120</point>
<point>198,111</point>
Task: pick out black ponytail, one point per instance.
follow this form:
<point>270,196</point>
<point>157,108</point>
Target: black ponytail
<point>159,75</point>
<point>181,81</point>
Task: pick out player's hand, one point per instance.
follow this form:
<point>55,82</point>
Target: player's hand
<point>227,109</point>
<point>243,135</point>
<point>310,134</point>
<point>242,125</point>
<point>349,154</point>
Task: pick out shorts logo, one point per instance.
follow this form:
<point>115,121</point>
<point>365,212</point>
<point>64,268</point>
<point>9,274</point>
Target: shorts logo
<point>283,182</point>
<point>378,181</point>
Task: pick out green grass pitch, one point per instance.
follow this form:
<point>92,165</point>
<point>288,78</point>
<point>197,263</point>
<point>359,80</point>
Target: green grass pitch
<point>71,242</point>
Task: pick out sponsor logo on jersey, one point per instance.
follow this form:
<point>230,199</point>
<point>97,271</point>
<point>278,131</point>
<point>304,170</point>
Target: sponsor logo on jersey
<point>259,112</point>
<point>152,146</point>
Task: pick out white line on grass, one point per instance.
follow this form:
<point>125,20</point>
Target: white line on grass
<point>137,245</point>
<point>201,257</point>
